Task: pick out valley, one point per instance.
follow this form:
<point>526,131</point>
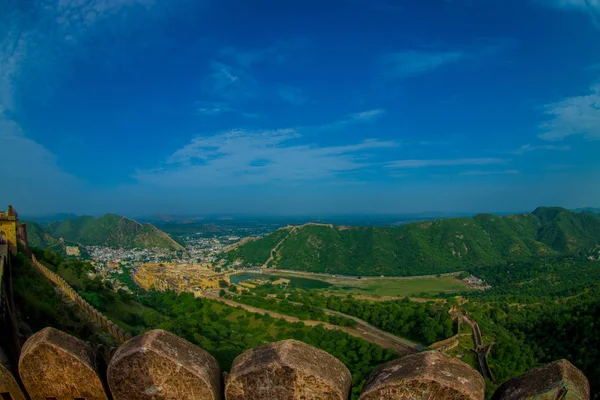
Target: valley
<point>391,290</point>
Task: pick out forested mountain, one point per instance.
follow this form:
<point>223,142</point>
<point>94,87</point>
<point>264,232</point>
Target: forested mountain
<point>37,236</point>
<point>427,247</point>
<point>109,230</point>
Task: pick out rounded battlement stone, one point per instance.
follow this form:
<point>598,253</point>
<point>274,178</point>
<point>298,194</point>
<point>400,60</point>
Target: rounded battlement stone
<point>54,364</point>
<point>557,380</point>
<point>429,375</point>
<point>160,365</point>
<point>287,370</point>
<point>8,383</point>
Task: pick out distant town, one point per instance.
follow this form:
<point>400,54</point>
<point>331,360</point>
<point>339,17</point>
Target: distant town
<point>196,269</point>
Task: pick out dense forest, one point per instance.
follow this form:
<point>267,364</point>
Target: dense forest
<point>428,247</point>
<point>421,322</point>
<point>541,311</point>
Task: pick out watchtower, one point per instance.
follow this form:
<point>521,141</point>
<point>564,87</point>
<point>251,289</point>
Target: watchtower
<point>8,228</point>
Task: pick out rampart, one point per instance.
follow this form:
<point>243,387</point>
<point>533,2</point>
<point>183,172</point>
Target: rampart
<point>8,228</point>
<point>120,335</point>
<point>159,365</point>
<point>446,344</point>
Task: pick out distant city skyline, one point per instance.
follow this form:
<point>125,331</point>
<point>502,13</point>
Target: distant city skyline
<point>140,107</point>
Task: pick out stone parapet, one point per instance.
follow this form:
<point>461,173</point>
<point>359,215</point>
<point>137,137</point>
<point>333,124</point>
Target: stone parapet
<point>289,369</point>
<point>159,365</point>
<point>557,380</point>
<point>56,365</point>
<point>428,375</point>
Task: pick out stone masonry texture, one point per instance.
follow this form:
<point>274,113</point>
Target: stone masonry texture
<point>425,376</point>
<point>287,370</point>
<point>160,365</point>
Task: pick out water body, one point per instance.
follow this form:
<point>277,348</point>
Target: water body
<point>303,283</point>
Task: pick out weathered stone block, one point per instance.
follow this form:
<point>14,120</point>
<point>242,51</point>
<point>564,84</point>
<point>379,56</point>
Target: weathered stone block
<point>557,380</point>
<point>160,365</point>
<point>54,364</point>
<point>429,375</point>
<point>287,370</point>
<point>8,383</point>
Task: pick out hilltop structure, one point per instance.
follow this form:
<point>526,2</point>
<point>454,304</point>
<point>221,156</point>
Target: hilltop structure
<point>11,230</point>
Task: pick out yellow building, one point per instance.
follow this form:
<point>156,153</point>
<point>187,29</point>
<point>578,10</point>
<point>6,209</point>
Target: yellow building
<point>8,228</point>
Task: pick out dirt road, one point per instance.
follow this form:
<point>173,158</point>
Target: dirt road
<point>363,330</point>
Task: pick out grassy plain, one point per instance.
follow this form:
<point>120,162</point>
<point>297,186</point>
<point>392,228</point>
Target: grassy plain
<point>399,287</point>
<point>388,287</point>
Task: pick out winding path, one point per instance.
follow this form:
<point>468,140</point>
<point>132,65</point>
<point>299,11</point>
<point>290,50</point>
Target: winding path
<point>363,330</point>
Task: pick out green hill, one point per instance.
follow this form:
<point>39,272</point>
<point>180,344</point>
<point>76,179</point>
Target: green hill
<point>37,236</point>
<point>429,247</point>
<point>109,230</point>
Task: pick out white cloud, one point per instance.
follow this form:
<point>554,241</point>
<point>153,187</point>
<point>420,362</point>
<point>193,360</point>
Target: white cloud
<point>529,148</point>
<point>444,162</point>
<point>577,115</point>
<point>483,173</point>
<point>411,63</point>
<point>242,157</point>
<point>293,95</point>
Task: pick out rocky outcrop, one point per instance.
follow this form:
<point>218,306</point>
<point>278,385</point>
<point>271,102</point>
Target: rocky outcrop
<point>287,370</point>
<point>428,376</point>
<point>558,380</point>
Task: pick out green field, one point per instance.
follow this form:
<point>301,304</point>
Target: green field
<point>373,287</point>
<point>397,287</point>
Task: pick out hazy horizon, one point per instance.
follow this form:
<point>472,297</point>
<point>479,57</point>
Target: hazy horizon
<point>139,107</point>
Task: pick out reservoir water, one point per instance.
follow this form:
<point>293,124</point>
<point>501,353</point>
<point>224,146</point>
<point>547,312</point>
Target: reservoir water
<point>303,283</point>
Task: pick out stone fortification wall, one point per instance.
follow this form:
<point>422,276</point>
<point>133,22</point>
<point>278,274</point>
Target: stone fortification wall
<point>120,335</point>
<point>159,365</point>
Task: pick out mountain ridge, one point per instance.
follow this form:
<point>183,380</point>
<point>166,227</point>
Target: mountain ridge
<point>426,247</point>
<point>109,230</point>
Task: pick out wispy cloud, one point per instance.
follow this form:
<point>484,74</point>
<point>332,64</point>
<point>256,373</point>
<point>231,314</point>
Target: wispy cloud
<point>411,63</point>
<point>367,116</point>
<point>444,162</point>
<point>37,39</point>
<point>216,108</point>
<point>484,173</point>
<point>577,115</point>
<point>293,95</point>
<point>241,157</point>
<point>529,148</point>
<point>591,7</point>
<point>280,52</point>
<point>572,4</point>
<point>229,82</point>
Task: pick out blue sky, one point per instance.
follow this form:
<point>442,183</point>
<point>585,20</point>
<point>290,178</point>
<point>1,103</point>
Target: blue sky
<point>270,107</point>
